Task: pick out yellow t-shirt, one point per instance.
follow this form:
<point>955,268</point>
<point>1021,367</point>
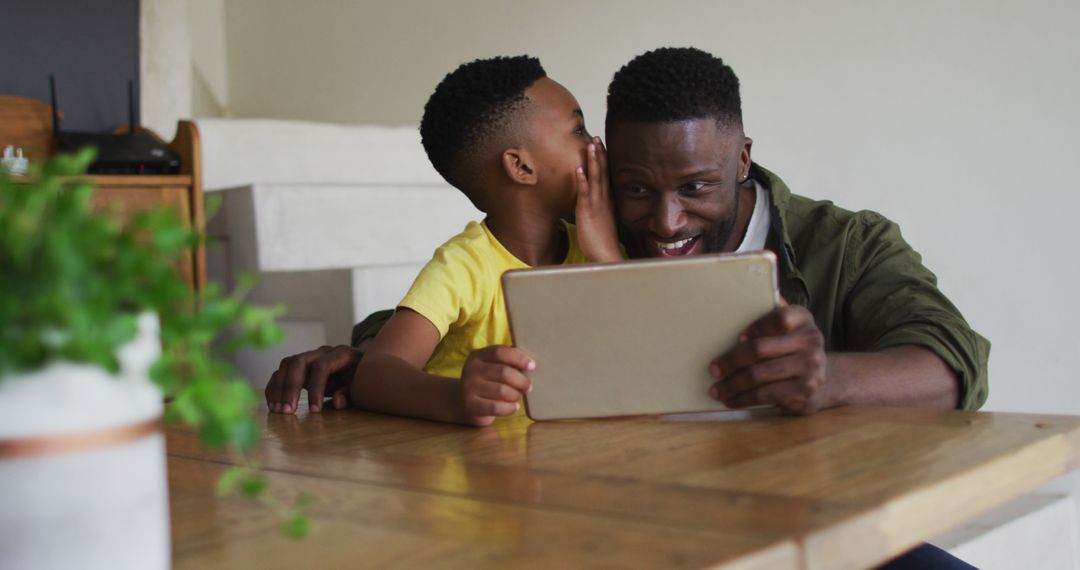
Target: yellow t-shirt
<point>460,292</point>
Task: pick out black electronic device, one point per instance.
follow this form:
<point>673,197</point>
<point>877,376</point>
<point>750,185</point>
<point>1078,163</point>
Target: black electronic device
<point>134,152</point>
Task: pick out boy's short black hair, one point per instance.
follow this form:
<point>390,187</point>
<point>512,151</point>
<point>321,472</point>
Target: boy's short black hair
<point>674,84</point>
<point>470,113</point>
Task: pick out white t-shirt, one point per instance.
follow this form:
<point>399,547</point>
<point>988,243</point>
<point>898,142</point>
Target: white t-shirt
<point>757,231</point>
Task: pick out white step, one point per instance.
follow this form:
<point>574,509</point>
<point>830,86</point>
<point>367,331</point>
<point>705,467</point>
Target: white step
<point>332,254</point>
<point>306,227</point>
<point>238,152</point>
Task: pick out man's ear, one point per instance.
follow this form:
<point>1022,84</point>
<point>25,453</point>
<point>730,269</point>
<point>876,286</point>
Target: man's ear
<point>518,165</point>
<point>744,158</point>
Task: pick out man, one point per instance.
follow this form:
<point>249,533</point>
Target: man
<point>863,321</point>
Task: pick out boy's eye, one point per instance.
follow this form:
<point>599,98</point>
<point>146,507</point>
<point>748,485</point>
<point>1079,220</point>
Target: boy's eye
<point>582,131</point>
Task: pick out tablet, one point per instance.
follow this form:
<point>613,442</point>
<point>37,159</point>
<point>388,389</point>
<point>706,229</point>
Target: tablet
<point>633,338</point>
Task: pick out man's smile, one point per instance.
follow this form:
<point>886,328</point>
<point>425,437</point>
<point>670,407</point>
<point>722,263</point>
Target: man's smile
<point>674,248</point>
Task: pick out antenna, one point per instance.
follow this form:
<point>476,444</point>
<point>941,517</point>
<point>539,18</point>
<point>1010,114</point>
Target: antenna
<point>131,107</point>
<point>55,114</point>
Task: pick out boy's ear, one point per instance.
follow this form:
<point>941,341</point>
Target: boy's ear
<point>518,165</point>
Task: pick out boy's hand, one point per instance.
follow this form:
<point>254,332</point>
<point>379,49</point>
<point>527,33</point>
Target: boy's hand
<point>492,383</point>
<point>594,213</point>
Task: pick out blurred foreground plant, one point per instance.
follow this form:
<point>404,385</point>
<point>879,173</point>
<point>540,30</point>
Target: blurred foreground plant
<point>72,283</point>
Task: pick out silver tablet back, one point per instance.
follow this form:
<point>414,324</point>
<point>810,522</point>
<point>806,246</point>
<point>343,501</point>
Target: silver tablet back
<point>637,337</point>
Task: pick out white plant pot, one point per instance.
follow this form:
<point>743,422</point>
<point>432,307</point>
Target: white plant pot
<point>82,465</point>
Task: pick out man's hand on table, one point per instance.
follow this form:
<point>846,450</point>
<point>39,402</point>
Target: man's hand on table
<point>779,360</point>
<point>325,373</point>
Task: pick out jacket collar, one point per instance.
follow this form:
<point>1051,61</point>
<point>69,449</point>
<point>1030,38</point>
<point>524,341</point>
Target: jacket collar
<point>792,285</point>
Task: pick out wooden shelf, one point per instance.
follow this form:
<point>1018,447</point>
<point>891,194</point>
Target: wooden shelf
<point>128,194</point>
<point>127,180</point>
<point>140,180</point>
<point>135,192</point>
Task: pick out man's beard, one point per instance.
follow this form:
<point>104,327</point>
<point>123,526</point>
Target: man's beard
<point>720,232</point>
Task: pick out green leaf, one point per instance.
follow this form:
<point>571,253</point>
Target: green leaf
<point>253,487</point>
<point>229,481</point>
<point>244,433</point>
<point>212,435</point>
<point>267,335</point>
<point>186,409</point>
<point>297,527</point>
<point>83,158</point>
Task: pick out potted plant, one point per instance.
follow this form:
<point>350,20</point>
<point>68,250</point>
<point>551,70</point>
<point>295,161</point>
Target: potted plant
<point>97,330</point>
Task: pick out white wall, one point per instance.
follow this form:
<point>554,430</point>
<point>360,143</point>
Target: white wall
<point>182,62</point>
<point>164,65</point>
<point>209,66</point>
<point>954,118</point>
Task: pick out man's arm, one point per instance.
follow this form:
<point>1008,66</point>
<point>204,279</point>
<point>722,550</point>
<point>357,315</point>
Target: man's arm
<point>903,342</point>
<point>390,378</point>
<point>325,372</point>
<point>891,300</point>
<point>910,376</point>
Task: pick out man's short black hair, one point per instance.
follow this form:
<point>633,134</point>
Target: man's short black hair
<point>674,84</point>
<point>470,113</point>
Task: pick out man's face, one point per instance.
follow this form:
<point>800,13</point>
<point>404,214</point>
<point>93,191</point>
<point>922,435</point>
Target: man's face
<point>675,185</point>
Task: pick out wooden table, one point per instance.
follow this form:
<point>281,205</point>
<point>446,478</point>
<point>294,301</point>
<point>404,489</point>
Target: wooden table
<point>846,488</point>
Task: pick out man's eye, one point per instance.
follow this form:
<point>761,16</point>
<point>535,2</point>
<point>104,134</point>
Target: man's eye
<point>582,131</point>
<point>698,187</point>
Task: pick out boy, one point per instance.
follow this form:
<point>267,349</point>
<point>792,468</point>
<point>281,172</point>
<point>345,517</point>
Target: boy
<point>514,142</point>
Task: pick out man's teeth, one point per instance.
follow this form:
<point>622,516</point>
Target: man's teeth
<point>674,244</point>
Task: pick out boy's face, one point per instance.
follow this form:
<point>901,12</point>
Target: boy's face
<point>558,141</point>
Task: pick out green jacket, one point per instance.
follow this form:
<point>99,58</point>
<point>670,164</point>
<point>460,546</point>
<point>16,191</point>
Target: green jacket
<point>867,289</point>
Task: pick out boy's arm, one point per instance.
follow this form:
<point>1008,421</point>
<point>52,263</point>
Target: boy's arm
<point>594,213</point>
<point>390,379</point>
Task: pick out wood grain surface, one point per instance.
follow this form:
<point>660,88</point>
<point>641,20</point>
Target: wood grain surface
<point>845,488</point>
